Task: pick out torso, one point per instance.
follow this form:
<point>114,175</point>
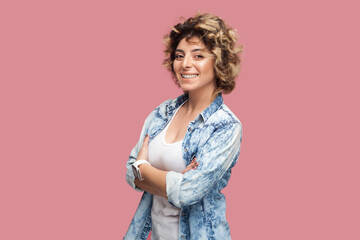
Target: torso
<point>212,203</point>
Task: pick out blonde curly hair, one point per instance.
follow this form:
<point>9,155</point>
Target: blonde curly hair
<point>219,38</point>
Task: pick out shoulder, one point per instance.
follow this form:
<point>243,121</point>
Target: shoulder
<point>162,111</point>
<point>159,111</point>
<point>224,117</point>
<point>221,126</point>
<point>167,107</point>
<point>163,105</point>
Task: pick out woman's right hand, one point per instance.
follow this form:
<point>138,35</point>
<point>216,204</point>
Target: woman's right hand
<point>192,165</point>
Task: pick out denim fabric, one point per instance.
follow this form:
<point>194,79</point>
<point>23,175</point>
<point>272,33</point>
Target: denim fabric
<point>214,139</point>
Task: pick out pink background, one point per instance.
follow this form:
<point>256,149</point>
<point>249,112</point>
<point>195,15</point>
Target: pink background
<point>78,79</point>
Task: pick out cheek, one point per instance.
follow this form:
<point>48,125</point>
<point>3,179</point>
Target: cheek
<point>208,68</point>
<point>176,66</point>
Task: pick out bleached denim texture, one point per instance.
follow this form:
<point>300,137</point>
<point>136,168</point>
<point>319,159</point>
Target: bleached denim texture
<point>214,139</point>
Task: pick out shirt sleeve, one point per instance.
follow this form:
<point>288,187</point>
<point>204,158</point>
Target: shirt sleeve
<point>215,157</point>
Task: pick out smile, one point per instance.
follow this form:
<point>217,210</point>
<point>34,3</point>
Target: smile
<point>189,75</point>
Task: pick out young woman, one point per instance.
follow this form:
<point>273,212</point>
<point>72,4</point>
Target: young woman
<point>188,145</point>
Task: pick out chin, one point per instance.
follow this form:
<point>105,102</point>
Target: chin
<point>186,89</point>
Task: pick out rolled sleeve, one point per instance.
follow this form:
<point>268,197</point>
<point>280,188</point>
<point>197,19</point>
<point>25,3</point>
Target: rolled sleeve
<point>215,157</point>
<point>173,181</point>
<point>130,178</point>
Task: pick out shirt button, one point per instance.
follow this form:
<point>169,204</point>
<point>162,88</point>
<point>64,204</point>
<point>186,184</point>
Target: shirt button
<point>190,129</point>
<point>182,237</point>
<point>185,149</point>
<point>183,214</point>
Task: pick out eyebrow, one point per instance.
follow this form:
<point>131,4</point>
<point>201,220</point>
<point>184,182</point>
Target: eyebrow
<point>194,50</point>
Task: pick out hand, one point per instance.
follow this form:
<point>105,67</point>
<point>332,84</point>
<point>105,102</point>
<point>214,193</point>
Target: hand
<point>143,153</point>
<point>192,165</point>
<point>141,184</point>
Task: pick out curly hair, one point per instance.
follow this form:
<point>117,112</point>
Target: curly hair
<point>219,38</point>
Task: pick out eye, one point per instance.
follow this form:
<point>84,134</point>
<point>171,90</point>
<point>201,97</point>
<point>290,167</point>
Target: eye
<point>198,56</point>
<point>178,56</point>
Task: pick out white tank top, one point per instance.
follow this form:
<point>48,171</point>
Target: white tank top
<point>167,157</point>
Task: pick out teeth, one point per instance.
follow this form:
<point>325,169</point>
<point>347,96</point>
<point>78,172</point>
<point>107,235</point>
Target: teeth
<point>189,76</point>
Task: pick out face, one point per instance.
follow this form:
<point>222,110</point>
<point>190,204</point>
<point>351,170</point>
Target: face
<point>194,66</point>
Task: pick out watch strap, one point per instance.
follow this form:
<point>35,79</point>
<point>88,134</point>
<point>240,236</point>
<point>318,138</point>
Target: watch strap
<point>136,169</point>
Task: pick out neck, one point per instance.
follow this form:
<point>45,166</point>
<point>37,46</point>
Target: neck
<point>198,102</point>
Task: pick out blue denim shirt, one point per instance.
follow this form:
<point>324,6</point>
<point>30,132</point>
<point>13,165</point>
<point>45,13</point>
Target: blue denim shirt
<point>214,139</point>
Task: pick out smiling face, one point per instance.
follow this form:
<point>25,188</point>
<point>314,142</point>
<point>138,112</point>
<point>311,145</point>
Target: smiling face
<point>194,66</point>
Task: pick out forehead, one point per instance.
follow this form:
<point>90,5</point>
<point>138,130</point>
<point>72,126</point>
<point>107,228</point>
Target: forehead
<point>193,42</point>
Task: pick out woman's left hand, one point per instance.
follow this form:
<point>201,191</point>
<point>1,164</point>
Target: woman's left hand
<point>143,153</point>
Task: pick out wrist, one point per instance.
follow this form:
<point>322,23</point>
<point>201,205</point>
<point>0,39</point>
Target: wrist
<point>143,170</point>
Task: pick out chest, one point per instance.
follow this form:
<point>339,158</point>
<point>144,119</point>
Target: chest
<point>178,126</point>
<point>194,133</point>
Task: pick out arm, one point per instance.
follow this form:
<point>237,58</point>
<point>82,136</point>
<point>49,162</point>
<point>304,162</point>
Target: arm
<point>216,156</point>
<point>130,178</point>
<point>154,179</point>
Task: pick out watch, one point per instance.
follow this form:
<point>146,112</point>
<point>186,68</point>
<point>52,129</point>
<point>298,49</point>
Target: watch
<point>136,170</point>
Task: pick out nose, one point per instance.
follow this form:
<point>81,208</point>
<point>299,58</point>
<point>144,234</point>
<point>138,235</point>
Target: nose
<point>187,62</point>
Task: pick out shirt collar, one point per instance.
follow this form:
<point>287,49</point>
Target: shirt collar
<point>174,104</point>
<point>214,106</point>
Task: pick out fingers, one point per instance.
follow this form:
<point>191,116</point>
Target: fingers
<point>138,183</point>
<point>146,140</point>
<point>143,150</point>
<point>193,165</point>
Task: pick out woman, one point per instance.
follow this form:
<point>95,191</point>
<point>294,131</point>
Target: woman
<point>188,145</point>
